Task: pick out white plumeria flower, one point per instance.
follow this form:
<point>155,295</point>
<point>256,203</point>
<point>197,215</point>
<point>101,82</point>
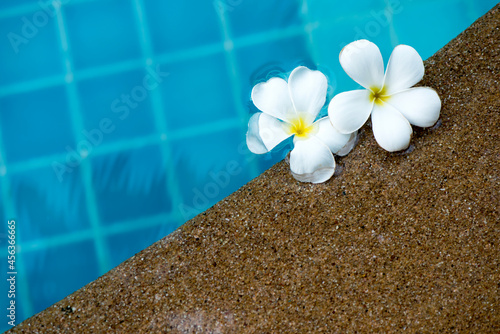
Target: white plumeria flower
<point>289,109</point>
<point>388,98</point>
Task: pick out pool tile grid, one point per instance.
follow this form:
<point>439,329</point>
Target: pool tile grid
<point>68,79</point>
<point>172,185</point>
<point>78,127</point>
<point>235,77</point>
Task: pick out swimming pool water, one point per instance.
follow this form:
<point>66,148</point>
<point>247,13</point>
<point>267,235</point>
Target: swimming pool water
<point>122,119</point>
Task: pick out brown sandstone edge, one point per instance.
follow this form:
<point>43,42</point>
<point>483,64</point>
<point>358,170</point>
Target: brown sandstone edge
<point>395,242</point>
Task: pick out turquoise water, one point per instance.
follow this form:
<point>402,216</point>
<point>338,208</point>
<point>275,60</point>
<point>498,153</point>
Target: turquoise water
<point>122,119</point>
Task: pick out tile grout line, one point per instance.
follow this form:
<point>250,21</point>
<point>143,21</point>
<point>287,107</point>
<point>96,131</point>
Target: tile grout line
<point>10,212</point>
<point>85,235</point>
<point>392,30</point>
<point>172,186</point>
<point>121,145</point>
<point>32,85</point>
<point>85,167</point>
<point>232,66</point>
<point>308,27</point>
<point>32,8</point>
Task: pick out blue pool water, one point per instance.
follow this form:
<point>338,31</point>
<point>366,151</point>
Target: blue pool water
<point>122,119</point>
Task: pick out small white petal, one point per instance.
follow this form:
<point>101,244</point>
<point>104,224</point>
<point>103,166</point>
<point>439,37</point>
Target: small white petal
<point>273,98</point>
<point>348,111</point>
<point>307,90</point>
<point>404,69</point>
<point>363,62</point>
<point>390,128</point>
<point>335,140</point>
<point>420,105</point>
<point>353,139</point>
<point>264,133</point>
<point>311,161</point>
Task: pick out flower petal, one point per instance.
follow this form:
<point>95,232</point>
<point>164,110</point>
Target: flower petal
<point>390,128</point>
<point>311,161</point>
<point>327,134</point>
<point>404,69</point>
<point>348,111</point>
<point>363,62</point>
<point>419,105</point>
<point>273,98</point>
<point>307,90</point>
<point>353,139</point>
<point>264,133</point>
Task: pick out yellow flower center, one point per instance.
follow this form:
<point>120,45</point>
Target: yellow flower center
<point>301,127</point>
<point>379,95</point>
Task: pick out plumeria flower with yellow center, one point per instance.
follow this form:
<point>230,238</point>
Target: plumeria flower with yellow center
<point>290,109</point>
<point>388,98</point>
